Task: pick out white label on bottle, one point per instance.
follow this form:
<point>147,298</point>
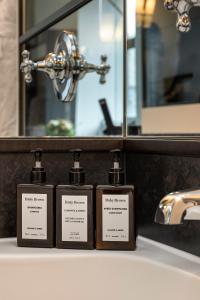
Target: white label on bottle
<point>74,218</point>
<point>115,218</point>
<point>34,216</point>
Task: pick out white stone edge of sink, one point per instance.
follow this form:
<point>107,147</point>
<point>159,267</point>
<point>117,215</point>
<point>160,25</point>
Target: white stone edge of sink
<point>147,250</point>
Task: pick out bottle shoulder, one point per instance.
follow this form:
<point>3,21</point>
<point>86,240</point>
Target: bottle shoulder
<point>34,186</point>
<point>115,187</point>
<point>74,187</point>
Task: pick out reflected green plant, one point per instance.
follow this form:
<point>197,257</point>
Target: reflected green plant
<point>60,127</point>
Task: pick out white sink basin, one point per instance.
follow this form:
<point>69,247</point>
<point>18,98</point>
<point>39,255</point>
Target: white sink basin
<point>153,272</point>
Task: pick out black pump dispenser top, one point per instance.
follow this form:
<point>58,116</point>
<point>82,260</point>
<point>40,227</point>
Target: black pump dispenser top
<point>38,174</point>
<point>76,174</point>
<point>116,174</point>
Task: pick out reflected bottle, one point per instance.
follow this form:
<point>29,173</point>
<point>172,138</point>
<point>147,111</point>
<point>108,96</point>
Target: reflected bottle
<point>115,217</point>
<point>35,209</point>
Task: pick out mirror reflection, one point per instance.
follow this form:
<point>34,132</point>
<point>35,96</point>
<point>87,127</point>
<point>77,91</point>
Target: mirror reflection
<point>163,73</point>
<point>161,91</point>
<point>35,11</point>
<point>98,28</point>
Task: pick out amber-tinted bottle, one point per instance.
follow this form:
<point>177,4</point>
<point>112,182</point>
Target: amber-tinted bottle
<point>35,209</point>
<point>115,217</point>
<point>74,210</point>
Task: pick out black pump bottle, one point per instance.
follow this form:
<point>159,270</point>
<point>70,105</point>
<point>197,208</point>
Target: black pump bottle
<point>74,210</point>
<point>35,208</point>
<point>115,217</point>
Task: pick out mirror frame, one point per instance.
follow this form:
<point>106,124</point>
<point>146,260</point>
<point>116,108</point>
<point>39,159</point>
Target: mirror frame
<point>65,11</point>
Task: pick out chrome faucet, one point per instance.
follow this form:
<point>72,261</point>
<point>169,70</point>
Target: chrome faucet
<point>178,206</point>
<point>65,67</point>
<point>182,7</point>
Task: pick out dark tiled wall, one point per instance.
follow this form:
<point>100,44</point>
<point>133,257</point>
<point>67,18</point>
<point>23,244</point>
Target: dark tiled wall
<point>154,176</point>
<point>15,168</point>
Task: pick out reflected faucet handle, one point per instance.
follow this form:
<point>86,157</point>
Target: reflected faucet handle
<point>103,69</point>
<point>27,66</point>
<point>86,67</point>
<point>65,66</point>
<point>182,8</point>
<point>169,4</point>
<point>53,65</point>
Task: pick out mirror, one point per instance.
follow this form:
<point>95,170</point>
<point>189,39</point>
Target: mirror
<point>35,11</point>
<point>162,87</point>
<point>97,110</point>
<point>163,74</point>
<point>98,27</point>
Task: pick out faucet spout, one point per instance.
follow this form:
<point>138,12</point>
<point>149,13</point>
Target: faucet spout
<point>178,206</point>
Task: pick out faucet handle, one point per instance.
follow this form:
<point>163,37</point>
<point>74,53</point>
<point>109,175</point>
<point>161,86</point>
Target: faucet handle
<point>169,4</point>
<point>26,66</point>
<point>183,23</point>
<point>182,8</point>
<point>64,67</point>
<point>103,69</point>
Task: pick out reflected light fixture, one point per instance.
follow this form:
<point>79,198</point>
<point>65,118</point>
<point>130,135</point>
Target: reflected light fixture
<point>145,11</point>
<point>107,29</point>
<point>106,23</point>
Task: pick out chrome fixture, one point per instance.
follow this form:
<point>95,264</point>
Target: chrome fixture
<point>182,7</point>
<point>64,67</point>
<point>178,206</point>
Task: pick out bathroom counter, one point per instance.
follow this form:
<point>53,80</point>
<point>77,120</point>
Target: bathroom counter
<point>146,250</point>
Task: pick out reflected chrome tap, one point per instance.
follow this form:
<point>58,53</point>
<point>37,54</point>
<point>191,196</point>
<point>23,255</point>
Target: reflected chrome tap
<point>178,206</point>
<point>182,7</point>
<point>53,65</point>
<point>65,67</point>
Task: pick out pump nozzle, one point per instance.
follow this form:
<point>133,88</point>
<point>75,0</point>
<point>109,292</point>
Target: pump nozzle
<point>116,158</point>
<point>38,156</point>
<point>76,155</point>
<point>76,175</point>
<point>38,175</point>
<point>116,174</point>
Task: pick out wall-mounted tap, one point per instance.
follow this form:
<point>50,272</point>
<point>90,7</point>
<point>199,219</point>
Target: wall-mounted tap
<point>182,7</point>
<point>53,65</point>
<point>178,206</point>
<point>64,67</point>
